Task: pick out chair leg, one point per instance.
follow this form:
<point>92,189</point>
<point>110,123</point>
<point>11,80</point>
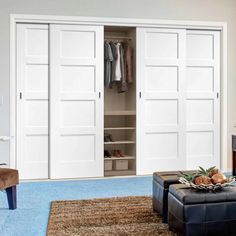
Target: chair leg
<point>11,197</point>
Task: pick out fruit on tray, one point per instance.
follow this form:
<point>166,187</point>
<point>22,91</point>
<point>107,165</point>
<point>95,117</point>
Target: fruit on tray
<point>213,172</point>
<point>209,176</point>
<point>201,179</point>
<point>218,179</point>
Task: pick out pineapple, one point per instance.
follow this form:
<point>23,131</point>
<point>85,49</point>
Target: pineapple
<point>202,179</point>
<point>188,177</point>
<point>203,176</point>
<point>206,172</point>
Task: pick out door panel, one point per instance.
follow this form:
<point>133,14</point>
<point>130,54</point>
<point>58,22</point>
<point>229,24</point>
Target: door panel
<point>203,103</point>
<point>161,110</point>
<point>32,106</point>
<point>200,45</point>
<point>161,44</point>
<point>76,103</point>
<point>167,79</point>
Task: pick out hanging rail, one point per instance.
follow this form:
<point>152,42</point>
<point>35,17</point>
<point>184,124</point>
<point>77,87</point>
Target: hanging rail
<point>118,37</point>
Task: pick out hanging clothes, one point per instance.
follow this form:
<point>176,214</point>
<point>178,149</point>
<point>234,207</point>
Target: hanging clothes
<point>118,74</point>
<point>108,58</point>
<point>122,86</point>
<point>128,60</point>
<point>116,66</point>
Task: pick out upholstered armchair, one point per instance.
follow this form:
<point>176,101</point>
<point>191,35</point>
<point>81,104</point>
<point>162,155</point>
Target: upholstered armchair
<point>9,178</point>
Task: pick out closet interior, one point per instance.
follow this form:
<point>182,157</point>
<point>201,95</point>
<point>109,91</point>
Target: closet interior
<point>120,104</point>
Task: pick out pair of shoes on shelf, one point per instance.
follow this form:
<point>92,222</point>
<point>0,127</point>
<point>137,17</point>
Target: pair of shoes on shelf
<point>108,138</point>
<point>107,154</point>
<point>118,153</point>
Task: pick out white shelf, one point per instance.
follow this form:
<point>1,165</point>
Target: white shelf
<point>119,172</point>
<point>120,113</point>
<point>120,128</point>
<point>119,158</point>
<point>119,142</point>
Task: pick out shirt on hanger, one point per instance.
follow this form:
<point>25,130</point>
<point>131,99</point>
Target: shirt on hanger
<point>116,70</point>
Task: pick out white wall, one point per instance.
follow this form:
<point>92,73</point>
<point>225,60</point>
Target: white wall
<point>203,10</point>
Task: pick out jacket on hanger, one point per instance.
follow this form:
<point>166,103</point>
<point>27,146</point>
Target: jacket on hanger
<point>123,86</point>
<point>108,58</point>
<point>128,60</point>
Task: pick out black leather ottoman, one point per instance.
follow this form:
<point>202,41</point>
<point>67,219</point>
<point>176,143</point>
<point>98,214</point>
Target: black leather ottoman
<point>194,213</point>
<point>161,183</point>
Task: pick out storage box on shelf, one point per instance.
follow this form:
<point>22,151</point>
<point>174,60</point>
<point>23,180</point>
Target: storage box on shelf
<point>121,165</point>
<point>108,165</point>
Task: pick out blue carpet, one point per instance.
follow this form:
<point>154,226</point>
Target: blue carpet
<point>31,216</point>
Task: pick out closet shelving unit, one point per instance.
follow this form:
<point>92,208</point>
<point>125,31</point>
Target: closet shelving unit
<point>127,146</point>
<point>120,113</point>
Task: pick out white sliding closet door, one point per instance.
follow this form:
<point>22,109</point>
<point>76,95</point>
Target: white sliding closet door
<point>76,109</point>
<point>178,106</point>
<point>32,101</point>
<point>161,126</point>
<point>203,103</point>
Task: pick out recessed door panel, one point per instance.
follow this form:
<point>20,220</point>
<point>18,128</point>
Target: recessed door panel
<point>161,44</point>
<point>77,44</point>
<point>200,149</point>
<point>37,149</point>
<point>162,79</point>
<point>200,79</point>
<point>161,112</point>
<point>76,115</point>
<point>36,40</point>
<point>200,45</point>
<point>78,78</point>
<point>161,146</point>
<point>37,78</point>
<point>200,143</point>
<point>200,111</point>
<point>78,148</point>
<point>36,112</point>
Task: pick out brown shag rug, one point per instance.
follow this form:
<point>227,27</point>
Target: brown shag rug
<point>108,216</point>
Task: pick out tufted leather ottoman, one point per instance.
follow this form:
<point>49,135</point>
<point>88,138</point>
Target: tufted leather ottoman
<point>161,183</point>
<point>9,178</point>
<point>194,213</point>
